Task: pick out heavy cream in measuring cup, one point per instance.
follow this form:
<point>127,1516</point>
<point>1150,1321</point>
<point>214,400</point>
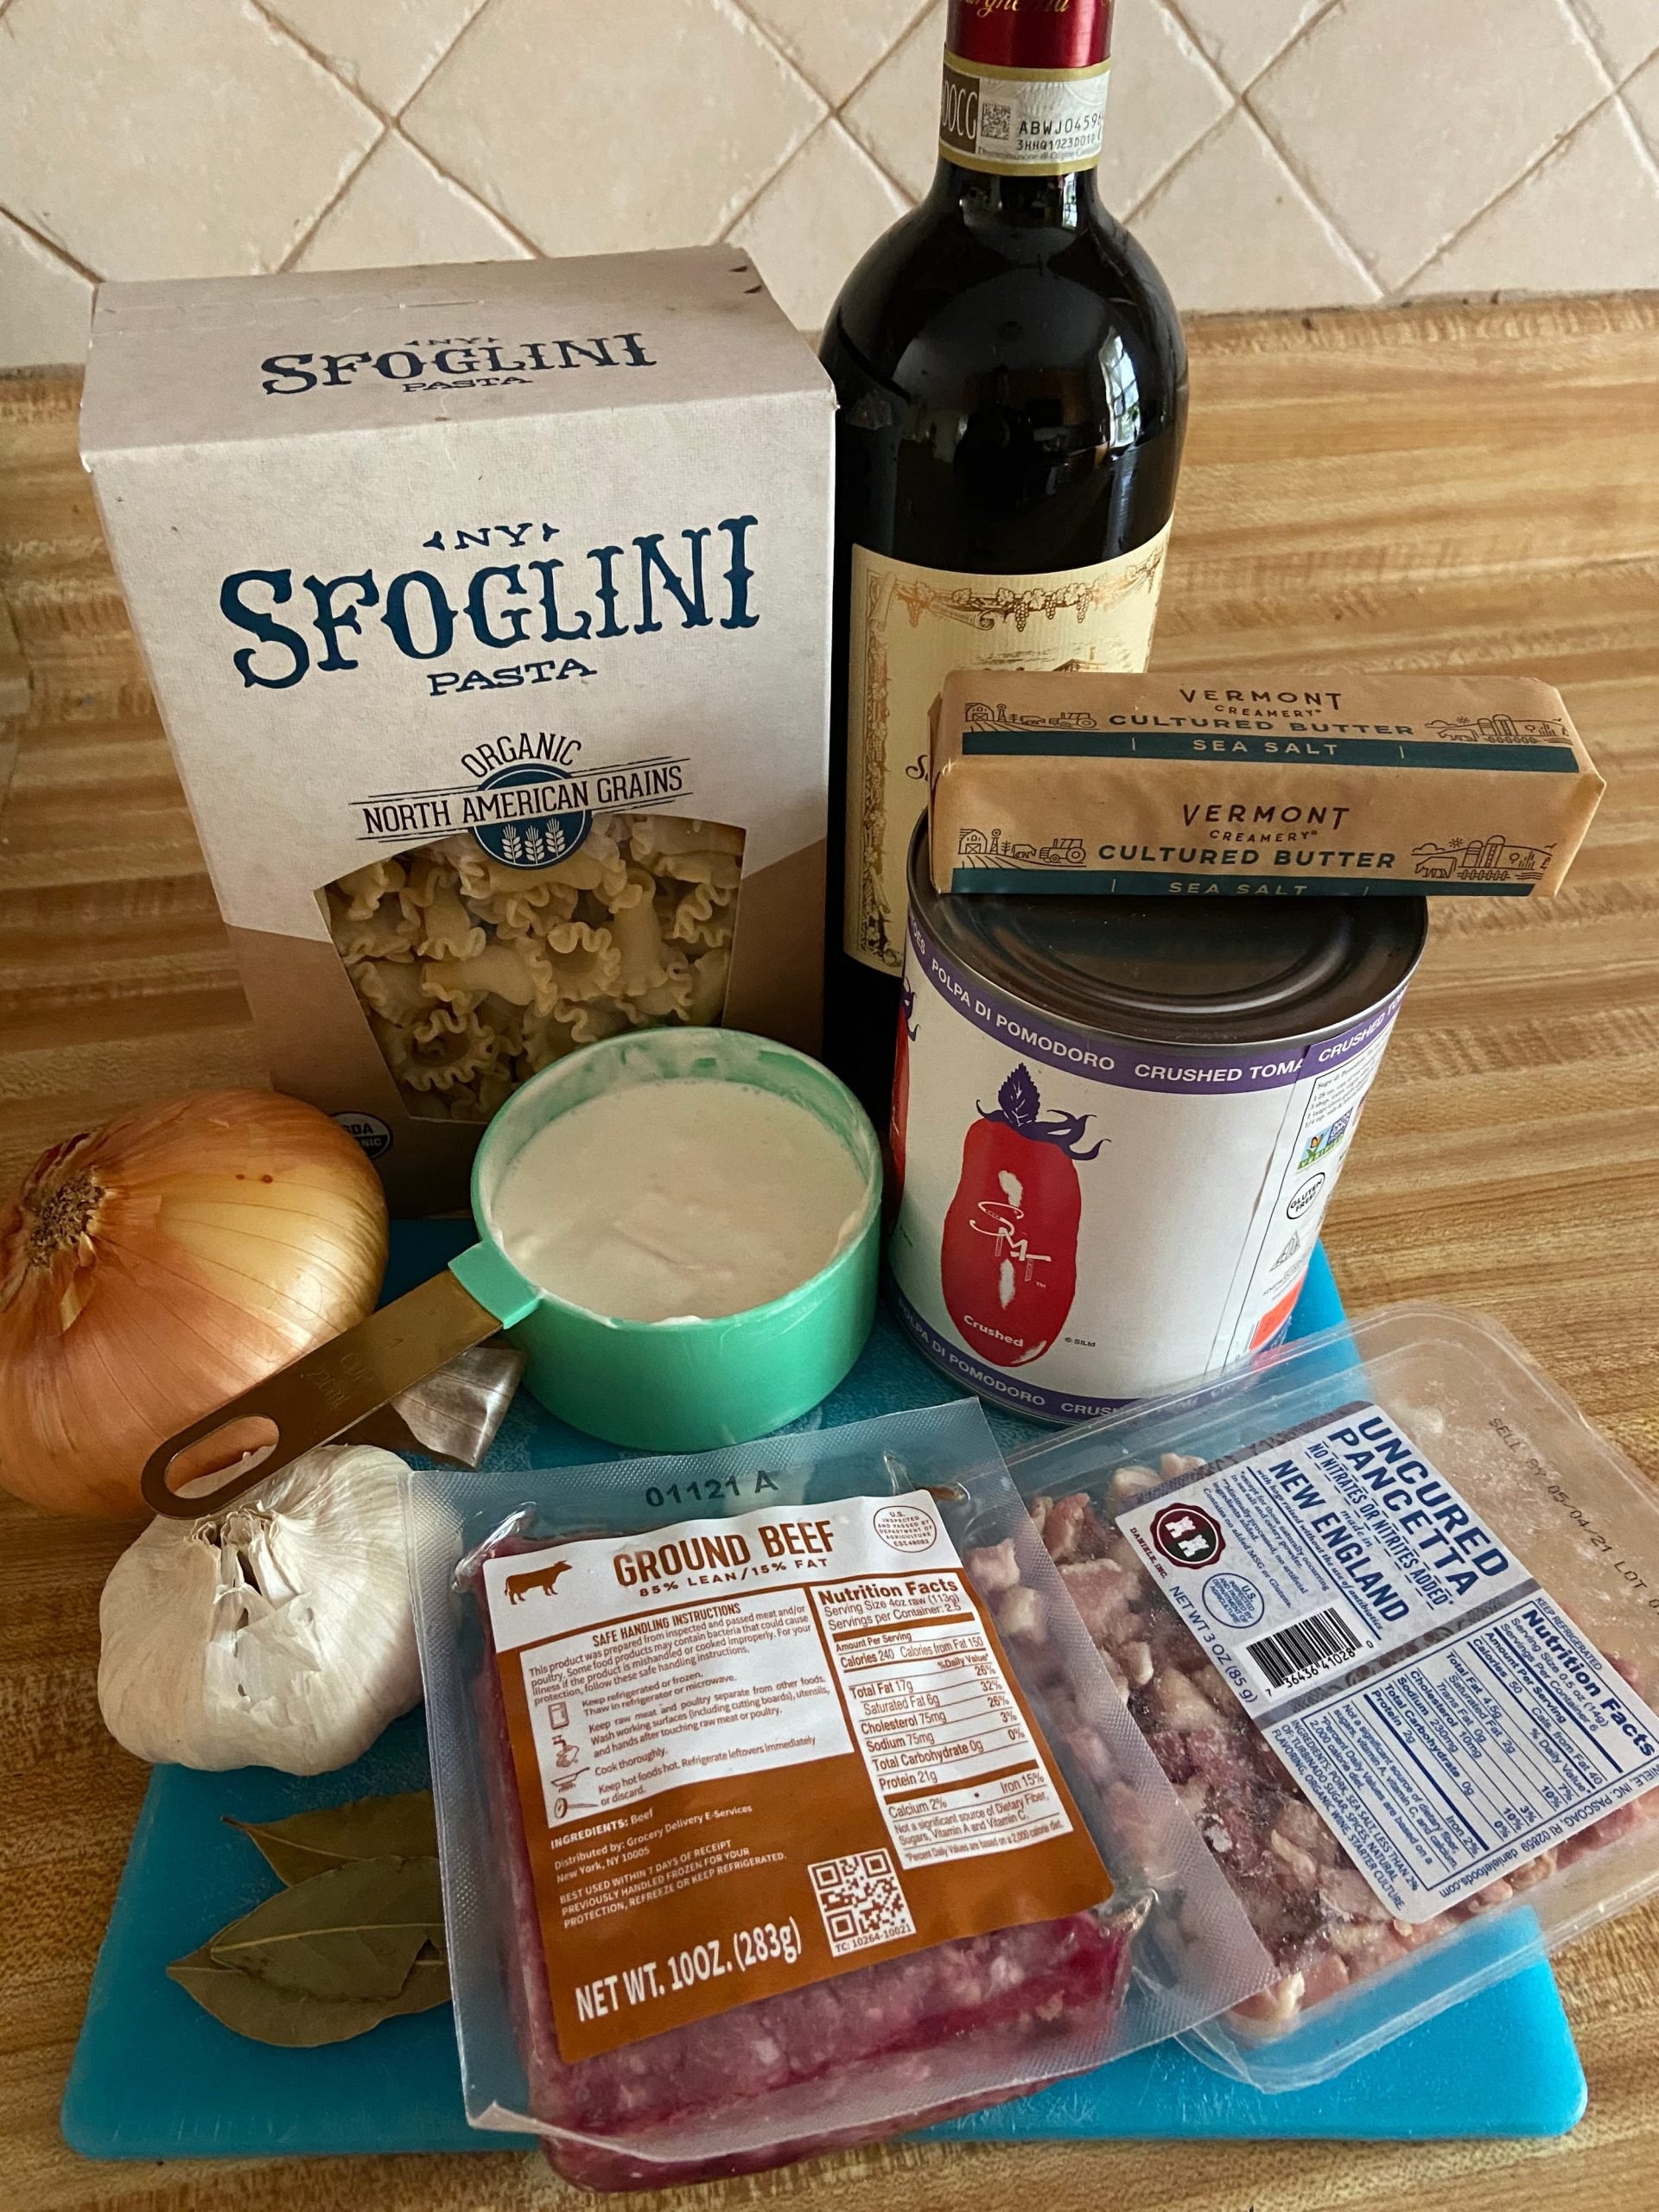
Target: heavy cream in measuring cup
<point>678,1200</point>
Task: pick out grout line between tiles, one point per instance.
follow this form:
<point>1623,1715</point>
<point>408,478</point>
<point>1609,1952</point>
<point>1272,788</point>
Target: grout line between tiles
<point>875,160</point>
<point>1580,30</point>
<point>391,122</point>
<point>1321,214</point>
<point>310,230</point>
<point>291,37</point>
<point>279,29</point>
<point>911,23</point>
<point>326,61</point>
<point>852,129</point>
<point>1609,99</point>
<point>1585,25</point>
<point>50,246</point>
<point>1134,213</point>
<point>727,229</point>
<point>446,57</point>
<point>1205,63</point>
<point>469,192</point>
<point>1300,32</point>
<point>1316,198</point>
<point>1649,148</point>
<point>466,191</point>
<point>765,32</point>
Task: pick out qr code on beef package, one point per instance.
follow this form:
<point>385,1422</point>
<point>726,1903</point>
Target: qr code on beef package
<point>862,1901</point>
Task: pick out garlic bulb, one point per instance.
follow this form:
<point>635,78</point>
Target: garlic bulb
<point>276,1633</point>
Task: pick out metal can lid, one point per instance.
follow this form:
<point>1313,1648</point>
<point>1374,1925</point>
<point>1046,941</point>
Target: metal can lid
<point>1177,971</point>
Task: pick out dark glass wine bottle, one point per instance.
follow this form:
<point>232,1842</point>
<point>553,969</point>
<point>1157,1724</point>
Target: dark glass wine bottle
<point>1011,383</point>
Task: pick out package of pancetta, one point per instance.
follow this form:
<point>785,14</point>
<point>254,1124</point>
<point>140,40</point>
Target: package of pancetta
<point>1385,1608</point>
<point>767,1823</point>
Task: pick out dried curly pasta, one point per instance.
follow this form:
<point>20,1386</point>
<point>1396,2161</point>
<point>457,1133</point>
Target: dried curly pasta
<point>393,989</point>
<point>512,914</point>
<point>508,899</point>
<point>602,1018</point>
<point>520,973</point>
<point>643,958</point>
<point>667,1000</point>
<point>365,888</point>
<point>431,897</point>
<point>660,837</point>
<point>385,933</point>
<point>451,1060</point>
<point>476,972</point>
<point>709,978</point>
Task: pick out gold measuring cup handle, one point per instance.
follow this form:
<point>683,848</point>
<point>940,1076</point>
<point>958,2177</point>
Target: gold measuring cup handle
<point>319,1398</point>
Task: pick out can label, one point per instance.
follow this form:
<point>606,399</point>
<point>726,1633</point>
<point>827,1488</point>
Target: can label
<point>910,627</point>
<point>1084,1220</point>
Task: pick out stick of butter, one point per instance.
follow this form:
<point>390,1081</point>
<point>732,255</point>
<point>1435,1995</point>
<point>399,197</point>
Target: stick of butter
<point>1079,780</point>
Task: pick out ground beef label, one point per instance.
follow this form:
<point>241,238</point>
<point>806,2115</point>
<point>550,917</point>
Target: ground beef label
<point>1441,1711</point>
<point>752,1753</point>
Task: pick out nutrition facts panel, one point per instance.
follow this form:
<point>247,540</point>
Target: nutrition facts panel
<point>1455,1765</point>
<point>955,1767</point>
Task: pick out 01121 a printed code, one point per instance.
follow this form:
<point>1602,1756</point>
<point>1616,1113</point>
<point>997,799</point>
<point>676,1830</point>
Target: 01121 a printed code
<point>862,1901</point>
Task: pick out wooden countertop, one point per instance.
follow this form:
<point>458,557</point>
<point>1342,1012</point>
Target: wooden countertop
<point>1471,486</point>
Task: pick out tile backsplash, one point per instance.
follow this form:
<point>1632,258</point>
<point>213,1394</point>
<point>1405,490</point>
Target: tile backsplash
<point>1271,153</point>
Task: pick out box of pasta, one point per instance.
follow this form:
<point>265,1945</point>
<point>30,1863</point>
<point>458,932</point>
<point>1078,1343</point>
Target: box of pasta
<point>487,609</point>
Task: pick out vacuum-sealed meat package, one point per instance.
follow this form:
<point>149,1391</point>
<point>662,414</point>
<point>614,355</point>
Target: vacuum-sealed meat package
<point>1385,1609</point>
<point>758,1835</point>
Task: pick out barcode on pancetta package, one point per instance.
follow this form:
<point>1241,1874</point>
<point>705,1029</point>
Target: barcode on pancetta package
<point>754,1753</point>
<point>1443,1713</point>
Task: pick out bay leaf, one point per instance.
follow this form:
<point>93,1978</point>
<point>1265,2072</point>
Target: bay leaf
<point>404,1826</point>
<point>352,1933</point>
<point>253,2007</point>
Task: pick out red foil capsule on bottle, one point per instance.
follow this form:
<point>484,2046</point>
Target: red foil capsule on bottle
<point>1031,33</point>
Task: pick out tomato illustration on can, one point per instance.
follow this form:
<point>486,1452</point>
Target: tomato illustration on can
<point>899,1126</point>
<point>1008,1253</point>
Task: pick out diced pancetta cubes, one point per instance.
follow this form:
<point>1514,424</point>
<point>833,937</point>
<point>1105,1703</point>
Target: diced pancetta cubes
<point>1316,1915</point>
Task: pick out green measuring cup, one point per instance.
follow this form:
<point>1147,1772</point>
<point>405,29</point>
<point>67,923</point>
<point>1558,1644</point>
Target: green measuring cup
<point>659,1386</point>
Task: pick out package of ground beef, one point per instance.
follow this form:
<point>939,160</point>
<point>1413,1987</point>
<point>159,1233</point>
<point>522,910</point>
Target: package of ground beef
<point>765,1827</point>
<point>1385,1609</point>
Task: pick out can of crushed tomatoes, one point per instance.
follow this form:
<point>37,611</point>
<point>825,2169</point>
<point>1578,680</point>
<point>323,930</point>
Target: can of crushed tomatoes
<point>1117,1124</point>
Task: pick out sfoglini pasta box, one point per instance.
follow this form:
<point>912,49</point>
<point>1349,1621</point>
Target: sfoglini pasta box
<point>487,609</point>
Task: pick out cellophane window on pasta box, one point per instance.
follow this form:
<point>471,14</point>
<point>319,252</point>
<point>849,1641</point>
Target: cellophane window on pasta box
<point>475,971</point>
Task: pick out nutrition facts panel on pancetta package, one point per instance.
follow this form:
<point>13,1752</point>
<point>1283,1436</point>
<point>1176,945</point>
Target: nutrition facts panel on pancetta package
<point>1441,1711</point>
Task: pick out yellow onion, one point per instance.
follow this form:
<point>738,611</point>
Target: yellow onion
<point>155,1267</point>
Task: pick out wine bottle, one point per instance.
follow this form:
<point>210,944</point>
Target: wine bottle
<point>1012,387</point>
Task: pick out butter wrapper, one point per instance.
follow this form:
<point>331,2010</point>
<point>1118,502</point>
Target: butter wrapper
<point>1076,780</point>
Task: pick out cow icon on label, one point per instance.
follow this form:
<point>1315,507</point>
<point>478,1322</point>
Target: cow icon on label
<point>519,1586</point>
<point>1188,1535</point>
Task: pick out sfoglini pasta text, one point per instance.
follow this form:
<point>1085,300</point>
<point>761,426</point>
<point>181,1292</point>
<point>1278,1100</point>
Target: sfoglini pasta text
<point>694,578</point>
<point>426,364</point>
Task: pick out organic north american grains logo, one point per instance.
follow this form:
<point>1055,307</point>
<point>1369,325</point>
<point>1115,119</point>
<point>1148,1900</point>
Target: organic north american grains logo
<point>1187,1535</point>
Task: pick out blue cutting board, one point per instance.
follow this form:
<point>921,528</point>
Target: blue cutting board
<point>155,2076</point>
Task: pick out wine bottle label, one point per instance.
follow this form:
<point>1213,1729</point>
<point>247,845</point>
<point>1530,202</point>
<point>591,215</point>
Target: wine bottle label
<point>1015,122</point>
<point>909,628</point>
